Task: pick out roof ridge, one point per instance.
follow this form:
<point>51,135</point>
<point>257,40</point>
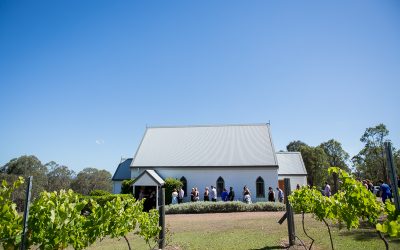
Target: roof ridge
<point>210,125</point>
<point>288,152</point>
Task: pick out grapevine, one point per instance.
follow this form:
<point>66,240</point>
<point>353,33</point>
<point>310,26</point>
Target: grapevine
<point>10,220</point>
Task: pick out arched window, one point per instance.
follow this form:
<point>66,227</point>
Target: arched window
<point>184,187</point>
<point>220,185</point>
<point>260,191</point>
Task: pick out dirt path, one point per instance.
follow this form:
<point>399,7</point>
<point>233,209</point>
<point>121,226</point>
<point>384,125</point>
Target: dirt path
<point>222,216</point>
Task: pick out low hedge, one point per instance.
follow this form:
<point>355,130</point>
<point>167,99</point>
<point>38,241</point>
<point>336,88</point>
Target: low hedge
<point>222,207</point>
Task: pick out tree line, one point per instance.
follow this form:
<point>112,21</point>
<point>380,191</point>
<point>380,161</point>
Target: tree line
<point>369,163</point>
<point>53,177</point>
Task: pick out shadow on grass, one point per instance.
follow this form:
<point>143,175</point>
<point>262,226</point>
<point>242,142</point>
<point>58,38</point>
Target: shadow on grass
<point>365,235</point>
<point>271,247</point>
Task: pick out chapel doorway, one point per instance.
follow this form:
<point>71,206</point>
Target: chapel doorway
<point>149,194</point>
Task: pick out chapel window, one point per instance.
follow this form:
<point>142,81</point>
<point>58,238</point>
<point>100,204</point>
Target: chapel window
<point>220,186</point>
<point>184,185</point>
<point>260,191</point>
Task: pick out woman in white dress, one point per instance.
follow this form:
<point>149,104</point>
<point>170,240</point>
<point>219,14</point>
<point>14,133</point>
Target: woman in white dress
<point>174,197</point>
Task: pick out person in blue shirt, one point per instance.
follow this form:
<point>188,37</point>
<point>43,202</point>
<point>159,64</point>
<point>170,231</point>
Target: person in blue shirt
<point>385,191</point>
<point>224,195</point>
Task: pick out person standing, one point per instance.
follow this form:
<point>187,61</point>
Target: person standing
<point>174,197</point>
<point>213,194</point>
<point>224,195</point>
<point>206,195</point>
<point>271,195</point>
<point>385,191</point>
<point>247,195</point>
<point>196,194</point>
<point>231,195</point>
<point>181,194</point>
<point>280,194</point>
<point>192,195</point>
<point>327,190</point>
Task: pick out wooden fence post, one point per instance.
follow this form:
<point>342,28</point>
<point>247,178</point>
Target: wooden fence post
<point>392,174</point>
<point>161,210</point>
<point>26,212</point>
<point>289,214</point>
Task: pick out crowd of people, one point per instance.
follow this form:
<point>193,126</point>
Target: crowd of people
<point>210,194</point>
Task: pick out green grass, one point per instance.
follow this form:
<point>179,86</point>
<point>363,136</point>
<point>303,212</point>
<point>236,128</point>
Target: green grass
<point>254,230</point>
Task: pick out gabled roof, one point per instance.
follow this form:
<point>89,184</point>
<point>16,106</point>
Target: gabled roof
<point>123,171</point>
<point>148,178</point>
<point>221,145</point>
<point>290,163</point>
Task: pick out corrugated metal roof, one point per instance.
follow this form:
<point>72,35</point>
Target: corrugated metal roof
<point>123,171</point>
<point>290,163</point>
<point>223,145</point>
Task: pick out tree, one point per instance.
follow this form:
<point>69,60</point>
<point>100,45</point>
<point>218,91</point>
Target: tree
<point>295,146</point>
<point>316,162</point>
<point>337,157</point>
<point>26,166</point>
<point>371,161</point>
<point>59,177</point>
<point>90,179</point>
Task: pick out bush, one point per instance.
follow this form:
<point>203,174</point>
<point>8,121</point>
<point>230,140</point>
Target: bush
<point>99,192</point>
<point>222,207</point>
<point>170,184</point>
<point>126,186</point>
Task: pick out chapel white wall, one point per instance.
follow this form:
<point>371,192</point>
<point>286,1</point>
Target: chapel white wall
<point>117,187</point>
<point>294,180</point>
<point>236,178</point>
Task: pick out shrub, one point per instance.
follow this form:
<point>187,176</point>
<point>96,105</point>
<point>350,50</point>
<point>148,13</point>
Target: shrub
<point>126,186</point>
<point>222,207</point>
<point>99,192</point>
<point>170,184</point>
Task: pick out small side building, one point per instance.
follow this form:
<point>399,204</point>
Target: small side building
<point>123,172</point>
<point>291,166</point>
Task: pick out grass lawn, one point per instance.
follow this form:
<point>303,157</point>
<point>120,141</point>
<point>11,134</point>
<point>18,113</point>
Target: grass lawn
<point>250,230</point>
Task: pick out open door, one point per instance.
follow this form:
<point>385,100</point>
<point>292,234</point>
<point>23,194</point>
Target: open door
<point>281,184</point>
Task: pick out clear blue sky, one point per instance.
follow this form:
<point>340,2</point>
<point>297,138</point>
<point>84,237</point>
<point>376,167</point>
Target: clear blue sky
<point>80,80</point>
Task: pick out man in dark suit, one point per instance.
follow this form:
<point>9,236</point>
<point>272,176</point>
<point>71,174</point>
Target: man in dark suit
<point>231,195</point>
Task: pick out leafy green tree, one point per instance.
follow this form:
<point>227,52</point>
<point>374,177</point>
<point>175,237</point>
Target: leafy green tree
<point>90,179</point>
<point>59,177</point>
<point>316,162</point>
<point>295,146</point>
<point>337,157</point>
<point>370,161</point>
<point>26,166</point>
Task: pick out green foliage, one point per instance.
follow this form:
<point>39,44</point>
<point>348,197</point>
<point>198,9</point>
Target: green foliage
<point>102,200</point>
<point>99,192</point>
<point>55,221</point>
<point>59,177</point>
<point>10,220</point>
<point>222,207</point>
<point>170,185</point>
<point>91,179</point>
<point>350,204</point>
<point>27,166</point>
<point>295,146</point>
<point>391,225</point>
<point>316,163</point>
<point>126,186</point>
<point>370,162</point>
<point>354,201</point>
